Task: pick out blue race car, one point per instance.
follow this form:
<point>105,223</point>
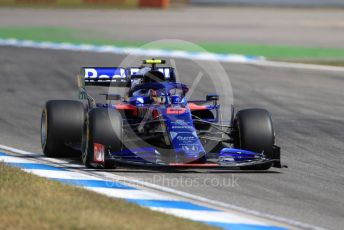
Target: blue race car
<point>154,125</point>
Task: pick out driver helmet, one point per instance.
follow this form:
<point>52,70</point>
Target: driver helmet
<point>157,96</point>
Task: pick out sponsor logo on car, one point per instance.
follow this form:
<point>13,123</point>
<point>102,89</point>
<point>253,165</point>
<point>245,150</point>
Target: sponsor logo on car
<point>190,148</point>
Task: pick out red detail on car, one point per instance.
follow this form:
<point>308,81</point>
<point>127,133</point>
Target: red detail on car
<point>176,111</point>
<point>193,106</point>
<point>98,153</point>
<point>127,107</point>
<point>155,114</point>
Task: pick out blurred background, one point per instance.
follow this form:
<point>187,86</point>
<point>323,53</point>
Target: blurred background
<point>309,31</point>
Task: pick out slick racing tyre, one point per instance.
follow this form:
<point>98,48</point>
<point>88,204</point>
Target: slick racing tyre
<point>255,132</point>
<point>61,128</point>
<point>103,131</point>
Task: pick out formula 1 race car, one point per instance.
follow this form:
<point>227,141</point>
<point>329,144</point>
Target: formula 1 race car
<point>154,125</point>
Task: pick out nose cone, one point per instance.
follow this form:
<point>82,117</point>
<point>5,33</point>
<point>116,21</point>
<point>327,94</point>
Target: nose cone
<point>183,135</point>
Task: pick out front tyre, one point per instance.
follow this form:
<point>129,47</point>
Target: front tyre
<point>61,128</point>
<point>103,131</point>
<point>255,132</point>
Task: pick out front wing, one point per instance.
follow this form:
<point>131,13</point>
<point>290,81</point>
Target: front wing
<point>228,158</point>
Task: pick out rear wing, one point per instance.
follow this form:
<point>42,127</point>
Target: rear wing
<point>168,72</point>
<point>117,76</point>
<point>103,76</point>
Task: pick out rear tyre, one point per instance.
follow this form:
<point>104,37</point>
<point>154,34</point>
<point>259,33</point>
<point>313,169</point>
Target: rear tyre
<point>103,127</point>
<point>61,128</point>
<point>255,132</point>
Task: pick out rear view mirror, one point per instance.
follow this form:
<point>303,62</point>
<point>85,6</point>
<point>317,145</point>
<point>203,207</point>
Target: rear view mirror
<point>212,97</point>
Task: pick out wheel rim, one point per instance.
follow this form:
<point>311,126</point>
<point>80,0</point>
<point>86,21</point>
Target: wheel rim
<point>44,129</point>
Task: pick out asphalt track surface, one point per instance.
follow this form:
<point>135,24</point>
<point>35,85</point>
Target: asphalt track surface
<point>307,108</point>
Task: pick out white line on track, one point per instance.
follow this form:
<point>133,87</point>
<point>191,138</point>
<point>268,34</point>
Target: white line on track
<point>298,66</point>
<point>213,216</point>
<point>130,194</point>
<point>10,159</point>
<point>60,174</point>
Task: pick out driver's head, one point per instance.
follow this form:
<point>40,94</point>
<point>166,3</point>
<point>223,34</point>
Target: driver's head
<point>153,93</point>
<point>157,97</point>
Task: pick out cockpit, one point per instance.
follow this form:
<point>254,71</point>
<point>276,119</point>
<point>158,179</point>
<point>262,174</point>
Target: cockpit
<point>158,93</point>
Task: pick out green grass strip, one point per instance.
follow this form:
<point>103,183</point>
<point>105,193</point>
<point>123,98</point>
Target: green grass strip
<point>76,36</point>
